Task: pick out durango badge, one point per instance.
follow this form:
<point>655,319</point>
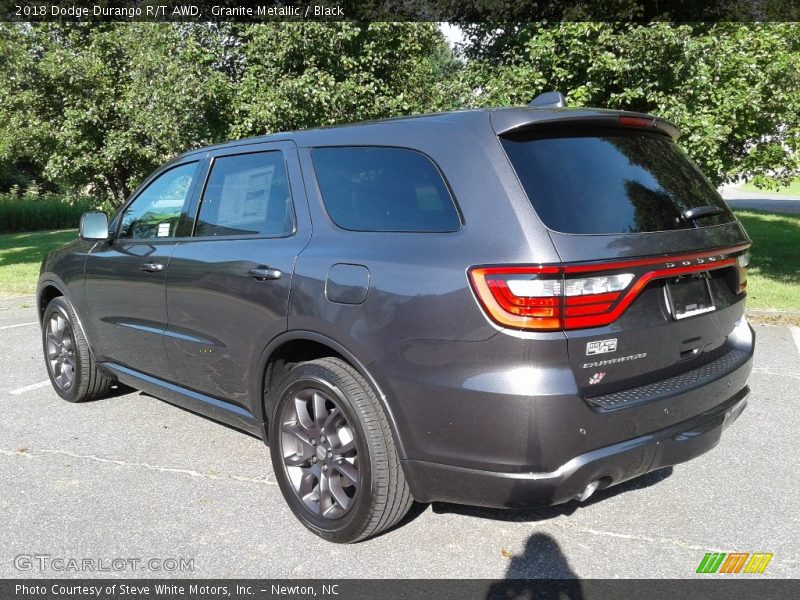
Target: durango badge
<point>601,346</point>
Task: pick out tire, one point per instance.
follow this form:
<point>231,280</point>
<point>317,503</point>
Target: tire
<point>70,364</point>
<point>348,486</point>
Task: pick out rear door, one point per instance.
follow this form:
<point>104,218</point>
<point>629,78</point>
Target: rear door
<point>652,257</point>
<point>125,278</point>
<point>228,285</point>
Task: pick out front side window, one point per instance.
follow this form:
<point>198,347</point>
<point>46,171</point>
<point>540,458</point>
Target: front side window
<point>247,194</point>
<point>156,211</point>
<point>384,189</point>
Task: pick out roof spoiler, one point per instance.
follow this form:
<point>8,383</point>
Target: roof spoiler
<point>514,121</point>
<point>553,99</point>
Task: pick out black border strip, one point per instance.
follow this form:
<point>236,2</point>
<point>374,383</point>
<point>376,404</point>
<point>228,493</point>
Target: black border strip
<point>708,587</point>
<point>458,11</point>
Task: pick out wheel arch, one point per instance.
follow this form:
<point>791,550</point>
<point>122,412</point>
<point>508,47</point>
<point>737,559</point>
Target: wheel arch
<point>316,343</point>
<point>45,292</point>
<point>48,289</point>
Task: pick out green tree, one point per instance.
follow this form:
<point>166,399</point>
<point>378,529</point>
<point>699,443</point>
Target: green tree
<point>98,106</point>
<point>299,75</point>
<point>733,88</point>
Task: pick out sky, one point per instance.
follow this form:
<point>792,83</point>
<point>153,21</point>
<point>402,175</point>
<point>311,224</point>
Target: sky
<point>452,32</point>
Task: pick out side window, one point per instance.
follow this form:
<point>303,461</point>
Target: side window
<point>156,211</point>
<point>247,194</point>
<point>384,189</point>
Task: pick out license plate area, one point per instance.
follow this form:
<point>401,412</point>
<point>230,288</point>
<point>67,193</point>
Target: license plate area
<point>689,296</point>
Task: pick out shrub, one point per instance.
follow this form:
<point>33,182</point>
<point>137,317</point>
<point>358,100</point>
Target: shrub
<point>32,211</point>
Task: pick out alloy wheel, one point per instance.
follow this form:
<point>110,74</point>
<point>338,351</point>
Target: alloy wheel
<point>60,351</point>
<point>320,454</point>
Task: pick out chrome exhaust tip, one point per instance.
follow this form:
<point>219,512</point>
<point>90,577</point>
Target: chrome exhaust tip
<point>588,491</point>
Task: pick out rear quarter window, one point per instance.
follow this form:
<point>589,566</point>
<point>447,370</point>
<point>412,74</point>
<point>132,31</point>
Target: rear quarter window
<point>606,182</point>
<point>384,189</point>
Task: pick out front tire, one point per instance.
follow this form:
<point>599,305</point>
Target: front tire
<point>70,364</point>
<point>333,453</point>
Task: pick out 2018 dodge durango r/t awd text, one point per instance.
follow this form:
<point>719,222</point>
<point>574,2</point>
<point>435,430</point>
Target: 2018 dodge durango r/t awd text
<point>500,307</point>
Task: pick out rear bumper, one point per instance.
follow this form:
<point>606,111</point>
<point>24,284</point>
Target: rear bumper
<point>611,465</point>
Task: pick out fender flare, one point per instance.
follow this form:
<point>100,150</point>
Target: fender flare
<point>48,282</point>
<point>59,285</point>
<point>260,409</point>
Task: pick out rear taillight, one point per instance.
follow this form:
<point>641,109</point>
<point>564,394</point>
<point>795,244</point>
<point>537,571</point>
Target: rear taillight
<point>520,297</point>
<point>542,298</point>
<point>575,296</point>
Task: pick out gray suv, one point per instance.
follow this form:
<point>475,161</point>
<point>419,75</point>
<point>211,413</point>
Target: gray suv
<point>503,307</point>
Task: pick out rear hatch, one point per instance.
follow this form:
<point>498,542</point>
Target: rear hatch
<point>651,284</point>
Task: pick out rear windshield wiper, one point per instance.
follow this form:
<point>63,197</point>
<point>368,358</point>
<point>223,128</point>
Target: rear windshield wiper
<point>700,212</point>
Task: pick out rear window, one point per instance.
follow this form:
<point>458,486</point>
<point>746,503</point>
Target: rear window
<point>384,189</point>
<point>611,182</point>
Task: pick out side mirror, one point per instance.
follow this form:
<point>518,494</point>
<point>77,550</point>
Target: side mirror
<point>94,226</point>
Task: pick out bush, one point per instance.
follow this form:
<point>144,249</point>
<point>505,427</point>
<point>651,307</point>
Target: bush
<point>34,212</point>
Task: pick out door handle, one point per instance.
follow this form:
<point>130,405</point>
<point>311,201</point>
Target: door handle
<point>265,273</point>
<point>152,267</point>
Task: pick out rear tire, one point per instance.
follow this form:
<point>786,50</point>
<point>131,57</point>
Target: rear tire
<point>70,364</point>
<point>333,453</point>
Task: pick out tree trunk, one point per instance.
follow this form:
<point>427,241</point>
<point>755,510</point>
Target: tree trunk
<point>117,182</point>
<point>113,186</point>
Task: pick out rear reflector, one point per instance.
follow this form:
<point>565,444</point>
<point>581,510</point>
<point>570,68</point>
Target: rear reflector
<point>575,296</point>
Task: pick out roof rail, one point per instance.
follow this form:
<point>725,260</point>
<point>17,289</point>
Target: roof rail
<point>549,100</point>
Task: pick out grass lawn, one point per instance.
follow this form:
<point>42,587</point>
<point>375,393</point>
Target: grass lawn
<point>773,280</point>
<point>21,255</point>
<point>792,190</point>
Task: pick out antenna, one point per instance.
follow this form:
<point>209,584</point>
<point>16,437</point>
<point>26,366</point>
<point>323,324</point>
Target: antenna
<point>549,100</point>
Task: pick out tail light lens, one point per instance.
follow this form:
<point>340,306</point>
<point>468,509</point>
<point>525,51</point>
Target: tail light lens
<point>520,297</point>
<point>575,296</point>
<point>541,298</point>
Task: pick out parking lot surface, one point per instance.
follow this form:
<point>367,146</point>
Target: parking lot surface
<point>131,477</point>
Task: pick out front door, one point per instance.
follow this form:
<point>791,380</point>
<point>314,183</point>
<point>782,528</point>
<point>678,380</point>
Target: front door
<point>125,278</point>
<point>228,285</point>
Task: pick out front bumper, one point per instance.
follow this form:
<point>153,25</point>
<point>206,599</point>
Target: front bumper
<point>610,465</point>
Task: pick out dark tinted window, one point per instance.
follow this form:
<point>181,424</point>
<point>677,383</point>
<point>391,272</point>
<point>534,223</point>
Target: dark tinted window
<point>384,189</point>
<point>247,194</point>
<point>613,182</point>
<point>156,211</point>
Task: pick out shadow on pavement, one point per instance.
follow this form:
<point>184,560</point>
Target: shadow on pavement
<point>118,389</point>
<point>542,558</point>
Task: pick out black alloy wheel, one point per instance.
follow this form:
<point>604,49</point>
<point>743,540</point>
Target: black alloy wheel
<point>333,453</point>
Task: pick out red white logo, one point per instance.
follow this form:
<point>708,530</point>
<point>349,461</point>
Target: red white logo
<point>596,378</point>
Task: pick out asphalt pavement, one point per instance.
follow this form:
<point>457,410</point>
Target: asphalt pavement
<point>766,201</point>
<point>131,477</point>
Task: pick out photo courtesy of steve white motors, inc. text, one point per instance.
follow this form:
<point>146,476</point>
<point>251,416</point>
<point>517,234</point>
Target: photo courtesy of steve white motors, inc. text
<point>162,11</point>
<point>172,589</point>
